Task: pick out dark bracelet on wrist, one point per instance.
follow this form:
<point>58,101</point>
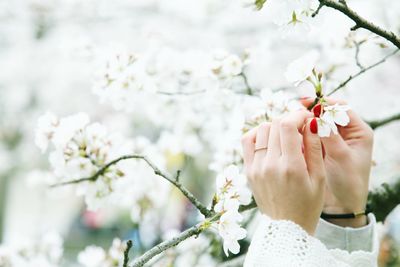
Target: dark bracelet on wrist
<point>352,215</point>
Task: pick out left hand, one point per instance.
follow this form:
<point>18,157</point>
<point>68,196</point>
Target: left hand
<point>286,184</point>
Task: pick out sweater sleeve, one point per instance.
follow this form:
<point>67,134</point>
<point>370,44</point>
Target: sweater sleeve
<point>284,243</point>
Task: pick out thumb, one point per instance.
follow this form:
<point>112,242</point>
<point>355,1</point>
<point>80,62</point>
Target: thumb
<point>313,151</point>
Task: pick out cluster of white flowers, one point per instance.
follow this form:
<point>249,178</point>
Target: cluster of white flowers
<point>122,76</point>
<point>232,191</point>
<point>267,106</point>
<point>94,256</point>
<point>82,148</point>
<point>47,252</point>
<point>124,79</point>
<point>226,66</point>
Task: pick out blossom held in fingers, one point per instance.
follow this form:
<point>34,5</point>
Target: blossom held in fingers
<point>331,117</point>
<point>337,114</point>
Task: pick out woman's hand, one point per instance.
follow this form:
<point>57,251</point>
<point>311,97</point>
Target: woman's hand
<point>286,183</point>
<point>348,164</point>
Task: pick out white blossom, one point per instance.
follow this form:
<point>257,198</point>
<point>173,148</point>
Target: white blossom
<point>300,69</point>
<point>230,230</point>
<point>292,15</point>
<point>332,116</point>
<point>45,130</point>
<point>232,192</point>
<point>93,256</point>
<point>46,251</point>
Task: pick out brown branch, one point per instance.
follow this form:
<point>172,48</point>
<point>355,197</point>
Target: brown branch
<point>359,21</point>
<point>126,253</point>
<point>378,123</point>
<point>192,231</point>
<point>249,90</point>
<point>158,249</point>
<point>352,77</point>
<point>173,180</point>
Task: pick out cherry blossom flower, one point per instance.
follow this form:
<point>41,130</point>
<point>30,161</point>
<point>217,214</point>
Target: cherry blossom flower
<point>332,116</point>
<point>45,130</point>
<point>337,114</point>
<point>232,192</point>
<point>300,69</point>
<point>293,16</point>
<point>93,256</point>
<point>230,230</point>
<point>231,184</point>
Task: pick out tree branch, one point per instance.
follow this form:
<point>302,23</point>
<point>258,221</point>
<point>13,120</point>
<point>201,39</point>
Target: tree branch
<point>351,77</point>
<point>378,123</point>
<point>249,90</point>
<point>163,246</point>
<point>157,171</point>
<point>126,253</point>
<point>359,21</point>
<point>192,231</point>
<point>158,249</point>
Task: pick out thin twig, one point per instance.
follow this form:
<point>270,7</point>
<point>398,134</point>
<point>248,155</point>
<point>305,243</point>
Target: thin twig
<point>357,54</point>
<point>126,253</point>
<point>361,22</point>
<point>157,171</point>
<point>318,9</point>
<point>351,77</point>
<point>379,123</point>
<point>249,90</point>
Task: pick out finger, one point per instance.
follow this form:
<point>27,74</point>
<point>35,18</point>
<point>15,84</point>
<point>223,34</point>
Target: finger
<point>248,145</point>
<point>291,126</point>
<point>261,147</point>
<point>274,140</point>
<point>313,153</point>
<point>334,145</point>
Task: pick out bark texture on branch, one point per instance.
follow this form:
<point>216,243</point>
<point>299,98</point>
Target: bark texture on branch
<point>359,21</point>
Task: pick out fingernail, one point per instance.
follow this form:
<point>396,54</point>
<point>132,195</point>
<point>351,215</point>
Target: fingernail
<point>304,97</point>
<point>314,126</point>
<point>317,110</point>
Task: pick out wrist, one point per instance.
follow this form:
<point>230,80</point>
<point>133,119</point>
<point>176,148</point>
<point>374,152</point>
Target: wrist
<point>357,222</point>
<point>353,223</point>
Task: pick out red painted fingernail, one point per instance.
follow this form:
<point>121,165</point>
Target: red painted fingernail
<point>314,126</point>
<point>317,110</point>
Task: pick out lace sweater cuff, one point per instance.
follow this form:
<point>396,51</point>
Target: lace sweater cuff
<point>284,243</point>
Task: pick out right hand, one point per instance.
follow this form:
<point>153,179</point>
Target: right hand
<point>286,184</point>
<point>348,163</point>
